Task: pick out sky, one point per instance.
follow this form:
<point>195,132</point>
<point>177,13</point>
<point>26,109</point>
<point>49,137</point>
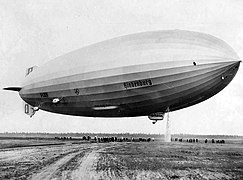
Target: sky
<point>34,32</point>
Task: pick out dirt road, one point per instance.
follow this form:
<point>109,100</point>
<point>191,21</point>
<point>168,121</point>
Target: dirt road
<point>76,165</point>
<point>66,161</point>
<point>86,169</point>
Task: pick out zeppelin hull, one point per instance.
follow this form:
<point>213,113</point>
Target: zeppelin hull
<point>133,75</point>
<point>134,93</point>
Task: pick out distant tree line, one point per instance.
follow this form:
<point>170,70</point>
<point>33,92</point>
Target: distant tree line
<point>80,134</point>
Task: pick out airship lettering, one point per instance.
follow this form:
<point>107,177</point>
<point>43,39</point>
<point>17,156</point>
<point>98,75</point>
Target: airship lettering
<point>76,91</point>
<point>132,84</point>
<point>44,95</point>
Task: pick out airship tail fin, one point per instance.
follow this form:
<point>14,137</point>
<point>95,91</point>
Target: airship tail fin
<point>12,88</point>
<point>28,71</point>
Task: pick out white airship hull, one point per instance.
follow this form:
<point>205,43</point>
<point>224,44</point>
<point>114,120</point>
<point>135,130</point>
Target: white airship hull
<point>135,75</point>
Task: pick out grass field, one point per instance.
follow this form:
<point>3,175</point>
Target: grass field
<point>173,161</point>
<point>35,158</point>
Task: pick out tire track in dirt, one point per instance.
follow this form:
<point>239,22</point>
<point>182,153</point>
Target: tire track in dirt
<point>78,163</point>
<point>86,169</point>
<point>49,171</point>
<point>83,167</point>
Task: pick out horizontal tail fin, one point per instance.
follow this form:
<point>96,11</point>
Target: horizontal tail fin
<point>13,88</point>
<point>28,71</point>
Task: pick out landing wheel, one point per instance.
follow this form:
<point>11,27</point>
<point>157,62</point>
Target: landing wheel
<point>154,122</point>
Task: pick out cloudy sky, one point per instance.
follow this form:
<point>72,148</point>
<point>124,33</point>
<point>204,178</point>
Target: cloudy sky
<point>34,32</point>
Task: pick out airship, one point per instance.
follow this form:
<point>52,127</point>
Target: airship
<point>142,74</point>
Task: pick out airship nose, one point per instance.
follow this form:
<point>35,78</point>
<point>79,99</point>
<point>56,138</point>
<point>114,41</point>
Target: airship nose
<point>231,70</point>
<point>236,65</point>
